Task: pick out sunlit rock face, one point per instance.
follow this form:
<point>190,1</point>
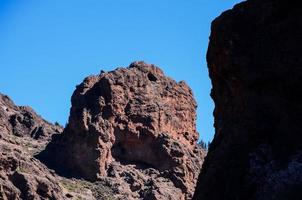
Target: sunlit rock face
<point>254,61</point>
<point>22,134</point>
<point>135,128</point>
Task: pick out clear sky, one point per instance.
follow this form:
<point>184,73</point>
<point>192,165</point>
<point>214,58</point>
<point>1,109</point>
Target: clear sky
<point>47,47</point>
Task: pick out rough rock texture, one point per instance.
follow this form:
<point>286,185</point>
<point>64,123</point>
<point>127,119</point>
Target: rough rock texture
<point>23,177</point>
<point>22,121</point>
<point>255,64</point>
<point>23,134</point>
<point>134,128</point>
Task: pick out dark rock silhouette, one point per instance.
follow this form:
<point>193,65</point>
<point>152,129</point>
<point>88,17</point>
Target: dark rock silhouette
<point>255,65</point>
<point>134,128</point>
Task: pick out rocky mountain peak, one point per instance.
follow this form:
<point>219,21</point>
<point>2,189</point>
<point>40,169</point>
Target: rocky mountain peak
<point>132,119</point>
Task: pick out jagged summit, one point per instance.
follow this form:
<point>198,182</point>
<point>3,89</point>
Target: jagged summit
<point>135,127</point>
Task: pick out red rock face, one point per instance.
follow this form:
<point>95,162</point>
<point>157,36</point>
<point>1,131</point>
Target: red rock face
<point>136,127</point>
<point>254,60</point>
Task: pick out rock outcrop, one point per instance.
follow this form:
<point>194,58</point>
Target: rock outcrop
<point>22,121</point>
<point>133,128</point>
<point>22,134</point>
<point>23,177</point>
<point>255,65</point>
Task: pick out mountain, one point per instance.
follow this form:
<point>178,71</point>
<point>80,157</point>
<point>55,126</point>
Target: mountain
<point>134,129</point>
<point>131,134</point>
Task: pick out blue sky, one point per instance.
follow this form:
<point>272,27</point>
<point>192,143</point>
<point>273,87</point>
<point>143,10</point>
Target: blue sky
<point>48,47</point>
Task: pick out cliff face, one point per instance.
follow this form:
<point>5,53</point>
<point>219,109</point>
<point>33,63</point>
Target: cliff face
<point>135,129</point>
<point>256,70</point>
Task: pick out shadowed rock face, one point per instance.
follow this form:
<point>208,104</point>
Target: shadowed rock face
<point>255,65</point>
<point>134,127</point>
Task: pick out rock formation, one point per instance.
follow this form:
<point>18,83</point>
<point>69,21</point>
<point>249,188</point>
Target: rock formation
<point>22,121</point>
<point>133,128</point>
<point>22,133</point>
<point>255,66</point>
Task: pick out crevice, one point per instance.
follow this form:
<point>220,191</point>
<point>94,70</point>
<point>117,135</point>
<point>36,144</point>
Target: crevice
<point>19,181</point>
<point>152,77</point>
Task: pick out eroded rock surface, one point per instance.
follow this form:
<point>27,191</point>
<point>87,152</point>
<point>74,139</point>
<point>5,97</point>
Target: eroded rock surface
<point>255,64</point>
<point>134,128</point>
<point>22,134</point>
<point>23,177</point>
<point>22,121</point>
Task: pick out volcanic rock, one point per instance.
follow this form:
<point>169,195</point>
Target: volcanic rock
<point>24,177</point>
<point>22,121</point>
<point>23,133</point>
<point>133,128</point>
<point>255,65</point>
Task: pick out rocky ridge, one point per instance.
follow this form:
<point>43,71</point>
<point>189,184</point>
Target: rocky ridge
<point>255,66</point>
<point>22,121</point>
<point>23,134</point>
<point>133,128</point>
